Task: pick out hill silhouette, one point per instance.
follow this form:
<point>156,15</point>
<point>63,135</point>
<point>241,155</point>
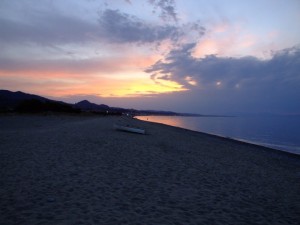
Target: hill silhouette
<point>28,103</point>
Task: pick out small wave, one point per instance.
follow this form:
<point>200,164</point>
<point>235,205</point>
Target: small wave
<point>286,148</point>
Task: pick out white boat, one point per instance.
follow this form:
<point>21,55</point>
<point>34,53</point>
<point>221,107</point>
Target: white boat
<point>129,129</point>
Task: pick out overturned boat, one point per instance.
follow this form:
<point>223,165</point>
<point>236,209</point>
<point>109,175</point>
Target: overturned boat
<point>129,128</point>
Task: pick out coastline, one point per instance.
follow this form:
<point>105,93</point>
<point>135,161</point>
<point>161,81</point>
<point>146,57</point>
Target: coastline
<point>64,169</point>
<point>228,129</point>
<point>229,139</point>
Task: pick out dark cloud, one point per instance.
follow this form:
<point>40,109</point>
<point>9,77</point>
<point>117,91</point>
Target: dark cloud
<point>232,72</point>
<point>52,27</point>
<point>237,84</point>
<point>47,28</point>
<point>166,8</point>
<point>121,27</point>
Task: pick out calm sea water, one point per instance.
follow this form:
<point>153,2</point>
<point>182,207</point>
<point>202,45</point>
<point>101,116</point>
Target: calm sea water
<point>279,132</point>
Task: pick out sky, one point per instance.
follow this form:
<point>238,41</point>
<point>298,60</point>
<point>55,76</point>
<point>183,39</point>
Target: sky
<point>216,57</point>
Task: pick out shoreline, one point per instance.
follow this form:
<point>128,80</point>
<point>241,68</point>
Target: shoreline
<point>229,139</point>
<point>62,169</point>
<point>284,148</point>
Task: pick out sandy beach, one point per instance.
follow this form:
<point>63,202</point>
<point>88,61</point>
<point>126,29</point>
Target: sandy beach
<point>79,170</point>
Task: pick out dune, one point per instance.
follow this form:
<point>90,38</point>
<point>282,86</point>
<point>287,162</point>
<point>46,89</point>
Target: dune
<point>64,169</point>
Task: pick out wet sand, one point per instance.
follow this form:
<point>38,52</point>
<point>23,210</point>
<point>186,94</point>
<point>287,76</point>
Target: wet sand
<point>79,170</point>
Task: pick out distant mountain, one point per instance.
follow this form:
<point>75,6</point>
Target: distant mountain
<point>24,102</point>
<point>10,100</point>
<point>85,105</point>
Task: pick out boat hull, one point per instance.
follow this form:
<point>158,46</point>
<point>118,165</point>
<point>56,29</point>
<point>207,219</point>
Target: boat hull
<point>129,129</point>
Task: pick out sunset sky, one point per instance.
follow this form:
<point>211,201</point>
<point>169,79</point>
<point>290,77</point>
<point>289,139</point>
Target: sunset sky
<point>216,56</point>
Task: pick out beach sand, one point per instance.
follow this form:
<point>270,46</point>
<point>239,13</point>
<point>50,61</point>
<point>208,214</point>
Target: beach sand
<point>79,170</point>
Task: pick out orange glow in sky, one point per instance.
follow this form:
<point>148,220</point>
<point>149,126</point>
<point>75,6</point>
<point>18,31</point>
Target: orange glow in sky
<point>63,84</point>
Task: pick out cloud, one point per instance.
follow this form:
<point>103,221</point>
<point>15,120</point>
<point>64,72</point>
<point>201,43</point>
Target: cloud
<point>81,67</point>
<point>52,27</point>
<point>46,28</point>
<point>166,8</point>
<point>237,84</point>
<point>231,72</point>
<point>124,28</point>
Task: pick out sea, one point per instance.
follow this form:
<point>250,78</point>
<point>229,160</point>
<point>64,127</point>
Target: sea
<point>277,132</point>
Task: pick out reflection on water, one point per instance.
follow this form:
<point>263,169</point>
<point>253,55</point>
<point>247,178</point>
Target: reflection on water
<point>280,132</point>
<point>169,120</point>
